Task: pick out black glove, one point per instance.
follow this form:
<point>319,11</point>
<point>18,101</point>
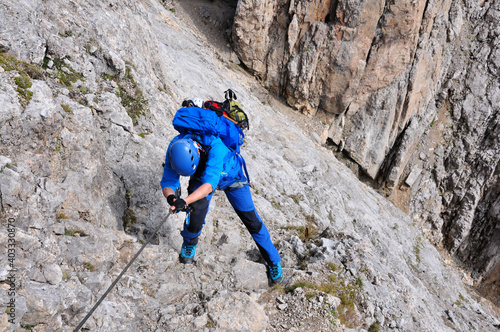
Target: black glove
<point>170,199</point>
<point>180,205</point>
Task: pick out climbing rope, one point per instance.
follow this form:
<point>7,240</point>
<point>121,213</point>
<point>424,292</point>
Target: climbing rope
<point>121,274</point>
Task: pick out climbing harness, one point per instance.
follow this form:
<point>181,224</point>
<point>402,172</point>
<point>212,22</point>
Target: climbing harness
<point>121,274</point>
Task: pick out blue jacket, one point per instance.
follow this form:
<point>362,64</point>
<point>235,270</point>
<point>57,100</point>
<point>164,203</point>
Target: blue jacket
<point>219,166</point>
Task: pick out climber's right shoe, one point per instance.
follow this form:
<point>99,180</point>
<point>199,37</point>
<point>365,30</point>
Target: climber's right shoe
<point>276,273</point>
<point>187,253</point>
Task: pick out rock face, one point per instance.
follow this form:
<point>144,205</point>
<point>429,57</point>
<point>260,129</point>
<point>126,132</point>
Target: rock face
<point>396,81</point>
<point>372,64</point>
<point>88,91</point>
<point>471,179</point>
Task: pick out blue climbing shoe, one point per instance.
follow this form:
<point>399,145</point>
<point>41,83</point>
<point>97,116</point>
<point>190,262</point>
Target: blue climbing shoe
<point>187,253</point>
<point>276,273</point>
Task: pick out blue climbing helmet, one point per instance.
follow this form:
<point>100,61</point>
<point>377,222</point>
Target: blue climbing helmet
<point>184,156</point>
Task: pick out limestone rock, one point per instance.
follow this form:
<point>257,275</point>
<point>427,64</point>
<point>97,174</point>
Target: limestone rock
<point>397,78</point>
<point>226,310</point>
<point>85,161</point>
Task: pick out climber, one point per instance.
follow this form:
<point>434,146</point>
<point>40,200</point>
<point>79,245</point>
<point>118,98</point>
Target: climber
<point>211,165</point>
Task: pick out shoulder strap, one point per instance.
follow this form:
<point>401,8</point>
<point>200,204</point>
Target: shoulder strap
<point>244,165</point>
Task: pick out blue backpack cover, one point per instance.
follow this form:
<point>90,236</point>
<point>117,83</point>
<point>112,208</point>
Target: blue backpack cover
<point>195,120</point>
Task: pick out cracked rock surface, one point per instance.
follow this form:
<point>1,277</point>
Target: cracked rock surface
<point>88,92</point>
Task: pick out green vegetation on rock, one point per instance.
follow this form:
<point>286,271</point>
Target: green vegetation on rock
<point>63,71</point>
<point>131,96</point>
<point>26,73</point>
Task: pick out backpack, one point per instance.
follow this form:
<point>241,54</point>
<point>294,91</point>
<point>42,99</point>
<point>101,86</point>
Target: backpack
<point>230,109</point>
<point>199,121</point>
<point>235,112</point>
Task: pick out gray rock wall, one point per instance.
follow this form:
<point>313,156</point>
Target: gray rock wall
<point>472,213</point>
<point>465,170</point>
<point>408,90</point>
<point>88,91</point>
<point>371,65</point>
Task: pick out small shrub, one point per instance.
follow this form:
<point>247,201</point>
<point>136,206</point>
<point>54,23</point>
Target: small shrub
<point>129,218</point>
<point>84,90</point>
<point>278,288</point>
<point>432,122</point>
<point>89,266</point>
<point>301,284</point>
<point>70,232</point>
<point>66,108</point>
<point>10,63</point>
<point>332,277</point>
<point>310,219</point>
<point>303,232</point>
<point>303,265</point>
<point>296,198</point>
<point>310,295</point>
<point>132,97</point>
<point>107,77</point>
<point>23,84</point>
<point>375,327</point>
<point>333,266</point>
<point>61,215</point>
<point>63,72</point>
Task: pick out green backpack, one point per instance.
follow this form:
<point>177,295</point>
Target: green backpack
<point>234,109</point>
<point>230,109</point>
